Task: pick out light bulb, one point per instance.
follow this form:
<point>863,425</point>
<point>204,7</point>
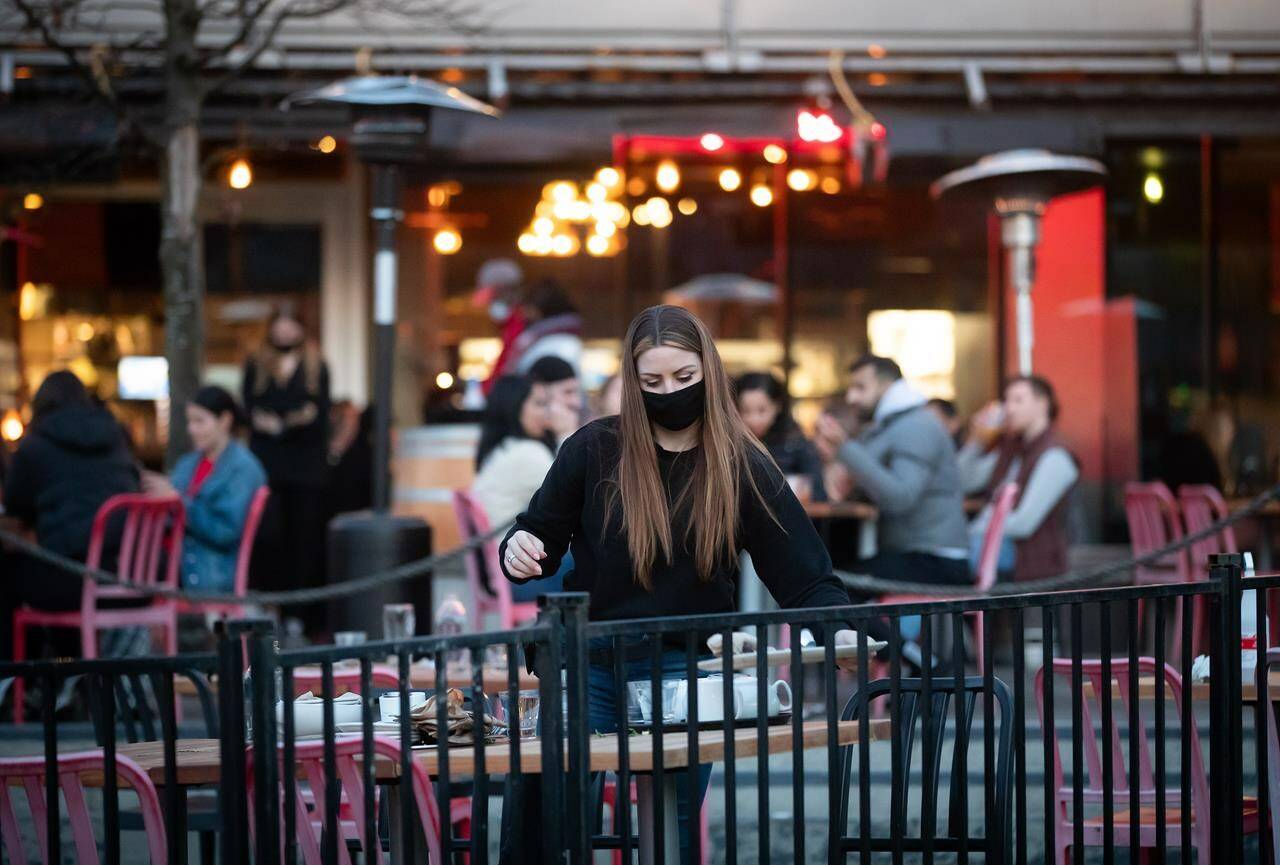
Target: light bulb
<point>711,141</point>
<point>761,195</point>
<point>447,241</point>
<point>241,174</point>
<point>609,176</point>
<point>32,201</point>
<point>668,176</point>
<point>775,154</point>
<point>327,144</point>
<point>597,192</point>
<point>800,179</point>
<point>730,179</point>
<point>687,206</point>
<point>606,229</point>
<point>1153,188</point>
<point>597,245</point>
<point>444,380</point>
<point>543,227</point>
<point>11,427</point>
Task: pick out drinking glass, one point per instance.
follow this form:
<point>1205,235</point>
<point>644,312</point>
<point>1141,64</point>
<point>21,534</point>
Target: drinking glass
<point>350,638</point>
<point>398,621</point>
<point>525,716</point>
<point>495,656</point>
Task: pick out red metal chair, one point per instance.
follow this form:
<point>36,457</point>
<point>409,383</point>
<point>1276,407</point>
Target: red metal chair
<point>252,521</point>
<point>309,766</point>
<point>1126,789</point>
<point>28,773</point>
<point>490,591</point>
<point>1273,754</point>
<point>150,553</point>
<point>1202,506</point>
<point>1155,520</point>
<point>988,559</point>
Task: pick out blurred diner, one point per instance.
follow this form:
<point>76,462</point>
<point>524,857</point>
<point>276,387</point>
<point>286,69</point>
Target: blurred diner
<point>764,407</point>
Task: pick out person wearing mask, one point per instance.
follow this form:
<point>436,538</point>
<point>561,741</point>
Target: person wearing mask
<point>656,506</point>
<point>217,482</point>
<point>1032,456</point>
<point>763,404</point>
<point>905,464</point>
<point>498,291</point>
<point>565,400</point>
<point>554,329</point>
<point>73,458</point>
<point>286,396</point>
<point>513,458</point>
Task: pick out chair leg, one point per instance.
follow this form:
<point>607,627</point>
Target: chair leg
<point>88,640</point>
<point>19,682</point>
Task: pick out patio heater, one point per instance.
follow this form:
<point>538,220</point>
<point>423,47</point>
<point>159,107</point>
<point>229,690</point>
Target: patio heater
<point>1020,184</point>
<point>391,127</point>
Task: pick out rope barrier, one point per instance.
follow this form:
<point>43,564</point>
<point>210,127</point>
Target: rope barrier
<point>1095,578</point>
<point>1099,577</point>
<point>407,571</point>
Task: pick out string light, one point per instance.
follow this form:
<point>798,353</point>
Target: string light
<point>241,174</point>
<point>563,190</point>
<point>444,380</point>
<point>661,219</point>
<point>775,154</point>
<point>32,201</point>
<point>527,243</point>
<point>597,192</point>
<point>606,229</point>
<point>761,195</point>
<point>819,127</point>
<point>876,52</point>
<point>640,215</point>
<point>829,185</point>
<point>564,245</point>
<point>597,245</point>
<point>327,144</point>
<point>1153,188</point>
<point>667,177</point>
<point>543,227</point>
<point>609,176</point>
<point>636,186</point>
<point>877,79</point>
<point>730,179</point>
<point>711,142</point>
<point>687,206</point>
<point>447,241</point>
<point>801,179</point>
<point>11,428</point>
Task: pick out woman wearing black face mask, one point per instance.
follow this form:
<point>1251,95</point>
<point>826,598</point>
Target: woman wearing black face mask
<point>286,396</point>
<point>657,503</point>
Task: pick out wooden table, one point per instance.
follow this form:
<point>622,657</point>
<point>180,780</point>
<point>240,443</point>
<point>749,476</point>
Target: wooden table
<point>1199,690</point>
<point>422,677</point>
<point>199,763</point>
<point>841,510</point>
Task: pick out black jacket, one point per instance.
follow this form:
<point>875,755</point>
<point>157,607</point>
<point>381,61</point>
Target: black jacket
<point>69,463</point>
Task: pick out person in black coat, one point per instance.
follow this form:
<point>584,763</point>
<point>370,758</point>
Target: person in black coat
<point>765,409</point>
<point>286,395</point>
<point>73,458</point>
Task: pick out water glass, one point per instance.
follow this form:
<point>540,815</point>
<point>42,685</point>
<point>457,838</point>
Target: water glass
<point>525,716</point>
<point>495,657</point>
<point>350,638</point>
<point>398,622</point>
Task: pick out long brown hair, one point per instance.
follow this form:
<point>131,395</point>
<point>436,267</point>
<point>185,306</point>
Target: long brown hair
<point>712,493</point>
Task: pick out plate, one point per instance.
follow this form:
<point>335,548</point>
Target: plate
<point>782,657</point>
<point>738,724</point>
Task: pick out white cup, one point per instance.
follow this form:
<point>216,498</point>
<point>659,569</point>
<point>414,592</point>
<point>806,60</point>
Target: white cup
<point>308,714</point>
<point>777,694</point>
<point>389,704</point>
<point>710,701</point>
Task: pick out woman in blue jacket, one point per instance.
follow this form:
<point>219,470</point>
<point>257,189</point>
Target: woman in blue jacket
<point>216,482</point>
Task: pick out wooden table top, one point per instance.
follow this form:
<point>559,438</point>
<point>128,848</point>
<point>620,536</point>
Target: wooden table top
<point>422,677</point>
<point>199,760</point>
<point>1199,690</point>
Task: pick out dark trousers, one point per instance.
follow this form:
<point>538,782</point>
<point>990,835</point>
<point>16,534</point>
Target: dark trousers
<point>908,567</point>
<point>290,553</point>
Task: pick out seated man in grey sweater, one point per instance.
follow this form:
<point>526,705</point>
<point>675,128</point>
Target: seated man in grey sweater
<point>905,464</point>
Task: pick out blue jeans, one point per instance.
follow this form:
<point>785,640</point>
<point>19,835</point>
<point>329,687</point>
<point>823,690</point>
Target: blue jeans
<point>523,593</point>
<point>602,715</point>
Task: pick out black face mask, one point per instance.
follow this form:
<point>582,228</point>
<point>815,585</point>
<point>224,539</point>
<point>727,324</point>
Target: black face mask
<point>679,409</point>
<point>285,347</point>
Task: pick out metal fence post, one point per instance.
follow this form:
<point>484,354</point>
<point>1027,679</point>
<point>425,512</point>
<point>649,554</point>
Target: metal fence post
<point>231,710</point>
<point>569,611</point>
<point>1226,736</point>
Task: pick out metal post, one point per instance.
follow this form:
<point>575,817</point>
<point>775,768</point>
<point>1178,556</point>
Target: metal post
<point>387,216</point>
<point>571,610</point>
<point>1020,233</point>
<point>1226,770</point>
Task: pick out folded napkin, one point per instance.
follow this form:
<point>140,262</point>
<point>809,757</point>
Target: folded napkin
<point>460,724</point>
<point>344,697</point>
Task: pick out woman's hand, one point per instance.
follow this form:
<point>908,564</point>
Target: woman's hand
<point>846,637</point>
<point>522,555</point>
<point>155,484</point>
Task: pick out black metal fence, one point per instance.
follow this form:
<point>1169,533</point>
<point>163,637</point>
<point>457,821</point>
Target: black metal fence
<point>1079,738</point>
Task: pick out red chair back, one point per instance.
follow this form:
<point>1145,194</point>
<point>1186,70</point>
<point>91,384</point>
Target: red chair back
<point>490,591</point>
<point>1154,521</point>
<point>151,529</point>
<point>989,555</point>
<point>309,825</point>
<point>1202,506</point>
<point>252,520</point>
<point>1129,794</point>
<point>310,679</point>
<point>28,774</point>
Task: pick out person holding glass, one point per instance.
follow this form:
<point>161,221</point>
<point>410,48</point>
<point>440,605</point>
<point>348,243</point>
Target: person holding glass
<point>763,404</point>
<point>656,506</point>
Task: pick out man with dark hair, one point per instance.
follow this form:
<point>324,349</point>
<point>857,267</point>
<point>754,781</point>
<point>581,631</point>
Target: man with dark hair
<point>905,464</point>
<point>563,390</point>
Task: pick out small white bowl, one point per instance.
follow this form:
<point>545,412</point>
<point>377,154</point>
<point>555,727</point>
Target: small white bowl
<point>308,714</point>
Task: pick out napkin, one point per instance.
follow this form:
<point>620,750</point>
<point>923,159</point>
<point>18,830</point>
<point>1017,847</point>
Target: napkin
<point>344,697</point>
<point>742,642</point>
<point>460,724</point>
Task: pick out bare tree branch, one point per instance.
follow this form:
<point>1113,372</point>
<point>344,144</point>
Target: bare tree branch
<point>293,11</point>
<point>36,21</point>
<point>248,24</point>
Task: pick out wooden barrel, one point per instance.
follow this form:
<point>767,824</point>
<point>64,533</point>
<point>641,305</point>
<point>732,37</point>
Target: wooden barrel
<point>430,463</point>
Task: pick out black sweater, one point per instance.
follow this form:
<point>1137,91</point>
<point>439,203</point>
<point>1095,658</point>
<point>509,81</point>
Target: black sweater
<point>570,509</point>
